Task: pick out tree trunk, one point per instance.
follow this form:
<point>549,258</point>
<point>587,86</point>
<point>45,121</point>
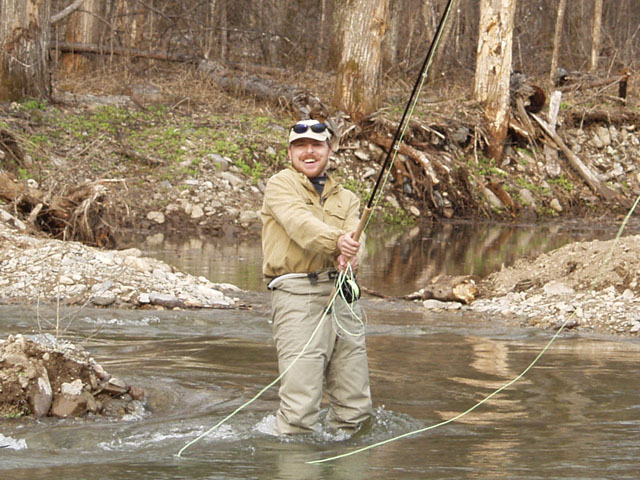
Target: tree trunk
<point>358,82</point>
<point>322,50</point>
<point>438,67</point>
<point>24,49</point>
<point>216,47</point>
<point>557,38</point>
<point>493,69</point>
<point>595,35</point>
<point>84,27</point>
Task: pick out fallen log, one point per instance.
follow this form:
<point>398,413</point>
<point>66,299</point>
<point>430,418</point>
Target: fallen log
<point>71,47</point>
<point>588,176</point>
<point>461,288</point>
<point>576,117</point>
<point>291,97</point>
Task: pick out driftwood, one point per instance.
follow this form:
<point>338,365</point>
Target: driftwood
<point>294,98</point>
<point>461,288</point>
<point>588,176</point>
<point>579,117</point>
<point>71,47</point>
<point>551,153</point>
<point>82,213</point>
<point>580,81</point>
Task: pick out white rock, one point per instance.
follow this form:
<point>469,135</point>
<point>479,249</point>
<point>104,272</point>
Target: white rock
<point>197,212</point>
<point>140,264</point>
<point>432,304</point>
<point>557,288</point>
<point>72,389</point>
<point>157,217</point>
<point>555,205</point>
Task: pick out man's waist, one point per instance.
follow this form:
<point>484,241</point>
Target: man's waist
<point>319,276</point>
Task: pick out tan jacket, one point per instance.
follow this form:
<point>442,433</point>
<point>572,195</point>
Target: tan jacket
<point>300,230</point>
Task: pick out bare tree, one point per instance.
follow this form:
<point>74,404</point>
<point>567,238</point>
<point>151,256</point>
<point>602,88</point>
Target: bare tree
<point>358,83</point>
<point>557,38</point>
<point>216,46</point>
<point>595,35</point>
<point>24,49</point>
<point>493,69</point>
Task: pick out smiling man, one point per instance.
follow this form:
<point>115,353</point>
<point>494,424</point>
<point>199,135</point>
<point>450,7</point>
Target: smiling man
<point>308,228</point>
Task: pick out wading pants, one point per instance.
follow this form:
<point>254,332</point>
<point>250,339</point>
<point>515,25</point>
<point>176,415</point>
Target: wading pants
<point>298,305</point>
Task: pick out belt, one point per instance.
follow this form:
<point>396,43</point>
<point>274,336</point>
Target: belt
<point>314,277</point>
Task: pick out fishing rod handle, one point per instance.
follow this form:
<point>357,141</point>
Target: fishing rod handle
<point>363,223</point>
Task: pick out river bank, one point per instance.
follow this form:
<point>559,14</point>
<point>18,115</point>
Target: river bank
<point>593,285</point>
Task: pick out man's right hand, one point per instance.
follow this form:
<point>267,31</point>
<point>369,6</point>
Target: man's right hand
<point>347,245</point>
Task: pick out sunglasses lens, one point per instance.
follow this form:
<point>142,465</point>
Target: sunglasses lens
<point>316,128</point>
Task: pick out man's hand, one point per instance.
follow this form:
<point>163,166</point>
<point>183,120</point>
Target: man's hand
<point>347,245</point>
<point>344,261</point>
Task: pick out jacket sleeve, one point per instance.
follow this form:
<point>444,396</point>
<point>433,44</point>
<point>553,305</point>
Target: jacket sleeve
<point>296,216</point>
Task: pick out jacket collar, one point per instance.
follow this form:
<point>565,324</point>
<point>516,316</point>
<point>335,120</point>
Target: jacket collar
<point>329,187</point>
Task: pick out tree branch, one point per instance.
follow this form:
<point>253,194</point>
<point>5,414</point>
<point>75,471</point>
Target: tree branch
<point>64,13</point>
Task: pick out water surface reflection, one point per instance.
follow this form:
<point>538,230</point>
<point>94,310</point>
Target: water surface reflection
<point>396,263</point>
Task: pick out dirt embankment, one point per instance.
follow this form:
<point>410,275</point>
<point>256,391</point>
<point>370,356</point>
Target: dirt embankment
<point>586,286</point>
<point>99,162</point>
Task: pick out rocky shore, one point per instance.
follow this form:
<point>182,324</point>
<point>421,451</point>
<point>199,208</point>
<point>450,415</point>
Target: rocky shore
<point>590,287</point>
<point>39,269</point>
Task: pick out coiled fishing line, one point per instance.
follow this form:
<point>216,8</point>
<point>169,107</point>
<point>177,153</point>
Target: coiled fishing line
<point>359,320</point>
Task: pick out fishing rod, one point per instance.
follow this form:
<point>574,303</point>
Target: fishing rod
<point>404,121</point>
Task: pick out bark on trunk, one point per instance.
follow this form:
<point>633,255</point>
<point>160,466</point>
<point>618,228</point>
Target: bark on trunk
<point>358,81</point>
<point>493,69</point>
<point>83,27</point>
<point>24,54</point>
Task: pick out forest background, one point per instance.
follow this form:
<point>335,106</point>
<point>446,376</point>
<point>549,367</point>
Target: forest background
<point>148,94</point>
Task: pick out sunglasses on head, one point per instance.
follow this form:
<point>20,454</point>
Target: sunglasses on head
<point>315,128</point>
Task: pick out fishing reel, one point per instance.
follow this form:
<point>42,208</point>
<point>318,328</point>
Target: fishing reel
<point>349,290</point>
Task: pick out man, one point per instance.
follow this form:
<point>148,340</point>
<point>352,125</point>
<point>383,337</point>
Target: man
<point>308,228</point>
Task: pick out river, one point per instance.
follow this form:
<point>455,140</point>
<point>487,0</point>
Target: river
<point>574,415</point>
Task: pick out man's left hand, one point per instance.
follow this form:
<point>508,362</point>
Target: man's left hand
<point>344,261</point>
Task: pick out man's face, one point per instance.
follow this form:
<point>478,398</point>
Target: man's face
<point>309,156</point>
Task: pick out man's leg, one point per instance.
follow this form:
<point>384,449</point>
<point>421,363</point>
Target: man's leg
<point>348,376</point>
<point>295,318</point>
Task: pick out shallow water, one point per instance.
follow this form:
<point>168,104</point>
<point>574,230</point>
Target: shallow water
<point>574,415</point>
